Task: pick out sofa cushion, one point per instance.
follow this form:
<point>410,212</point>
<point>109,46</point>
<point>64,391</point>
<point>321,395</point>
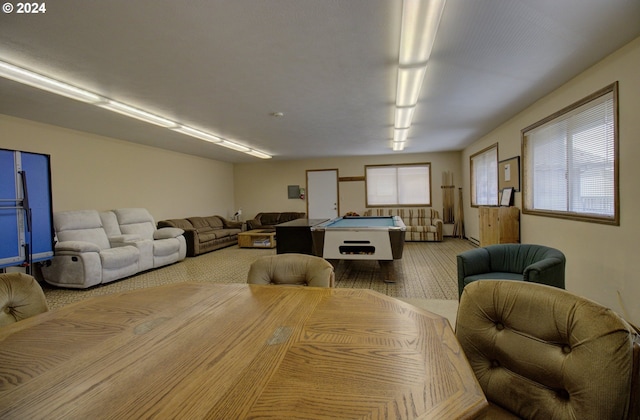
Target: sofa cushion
<point>269,218</point>
<point>288,216</point>
<point>110,223</point>
<point>214,221</point>
<point>207,236</point>
<point>119,257</point>
<point>81,225</point>
<point>136,221</point>
<point>223,233</point>
<point>200,224</point>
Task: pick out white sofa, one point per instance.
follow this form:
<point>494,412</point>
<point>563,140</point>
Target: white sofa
<point>95,248</point>
<point>157,247</point>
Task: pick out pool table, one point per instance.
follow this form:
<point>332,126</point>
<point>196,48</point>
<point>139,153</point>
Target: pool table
<point>378,238</point>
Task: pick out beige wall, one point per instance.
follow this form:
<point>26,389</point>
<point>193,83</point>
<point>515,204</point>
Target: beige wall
<point>262,186</point>
<point>94,172</point>
<point>600,258</point>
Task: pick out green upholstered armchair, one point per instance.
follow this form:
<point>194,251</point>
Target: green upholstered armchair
<point>524,262</point>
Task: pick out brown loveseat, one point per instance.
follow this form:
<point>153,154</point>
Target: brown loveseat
<point>270,220</point>
<point>204,234</point>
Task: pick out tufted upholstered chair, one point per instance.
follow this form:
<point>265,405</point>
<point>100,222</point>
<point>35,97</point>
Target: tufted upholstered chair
<point>20,297</point>
<point>292,269</point>
<point>524,262</point>
<point>540,352</point>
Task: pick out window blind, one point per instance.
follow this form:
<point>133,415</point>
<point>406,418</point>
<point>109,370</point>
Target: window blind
<point>405,185</point>
<point>570,161</point>
<point>484,177</point>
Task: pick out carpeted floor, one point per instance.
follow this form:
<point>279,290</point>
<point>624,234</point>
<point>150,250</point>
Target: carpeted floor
<point>426,275</point>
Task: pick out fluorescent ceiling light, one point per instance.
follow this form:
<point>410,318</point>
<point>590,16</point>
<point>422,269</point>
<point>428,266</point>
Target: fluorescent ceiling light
<point>132,112</point>
<point>197,133</point>
<point>398,146</point>
<point>420,21</point>
<point>259,154</point>
<point>27,77</point>
<point>409,84</point>
<point>404,117</point>
<point>234,146</point>
<point>400,134</point>
<point>20,75</point>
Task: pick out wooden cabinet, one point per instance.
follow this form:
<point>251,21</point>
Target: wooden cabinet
<point>499,225</point>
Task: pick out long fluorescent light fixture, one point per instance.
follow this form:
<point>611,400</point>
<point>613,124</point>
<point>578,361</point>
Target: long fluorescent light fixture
<point>409,84</point>
<point>420,21</point>
<point>197,133</point>
<point>132,112</point>
<point>400,134</point>
<point>398,146</point>
<point>26,77</point>
<point>39,81</point>
<point>259,154</point>
<point>235,146</point>
<point>404,115</point>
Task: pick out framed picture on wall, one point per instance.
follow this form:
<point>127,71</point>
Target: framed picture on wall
<point>507,197</point>
<point>509,174</point>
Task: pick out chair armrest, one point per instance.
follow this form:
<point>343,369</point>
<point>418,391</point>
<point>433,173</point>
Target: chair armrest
<point>439,224</point>
<point>254,224</point>
<point>547,271</point>
<point>230,224</point>
<point>76,246</point>
<point>167,232</point>
<point>120,240</point>
<point>474,261</point>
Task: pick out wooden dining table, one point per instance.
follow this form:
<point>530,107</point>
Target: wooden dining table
<point>236,351</point>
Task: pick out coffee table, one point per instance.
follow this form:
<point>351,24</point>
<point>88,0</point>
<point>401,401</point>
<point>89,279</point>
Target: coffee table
<point>257,238</point>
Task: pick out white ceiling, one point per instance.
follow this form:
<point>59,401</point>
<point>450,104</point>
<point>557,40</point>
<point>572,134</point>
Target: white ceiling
<point>329,65</point>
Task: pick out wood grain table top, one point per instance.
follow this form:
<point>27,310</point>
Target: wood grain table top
<point>199,350</point>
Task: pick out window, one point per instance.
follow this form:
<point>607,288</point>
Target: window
<point>571,161</point>
<point>484,177</point>
<point>398,185</point>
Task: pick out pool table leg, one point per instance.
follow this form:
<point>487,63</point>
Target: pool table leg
<point>388,271</point>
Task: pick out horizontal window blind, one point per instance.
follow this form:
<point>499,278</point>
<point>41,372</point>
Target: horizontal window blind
<point>484,177</point>
<point>570,161</point>
<point>404,185</point>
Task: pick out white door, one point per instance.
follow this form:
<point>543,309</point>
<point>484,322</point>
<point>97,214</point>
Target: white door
<point>322,194</point>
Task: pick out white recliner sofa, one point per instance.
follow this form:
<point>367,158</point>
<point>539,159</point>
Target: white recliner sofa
<point>93,248</point>
<point>157,247</point>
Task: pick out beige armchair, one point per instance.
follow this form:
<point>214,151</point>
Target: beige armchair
<point>540,352</point>
<point>20,297</point>
<point>292,269</point>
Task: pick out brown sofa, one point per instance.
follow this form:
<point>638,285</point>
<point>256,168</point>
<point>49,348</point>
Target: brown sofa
<point>204,234</point>
<point>270,220</point>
